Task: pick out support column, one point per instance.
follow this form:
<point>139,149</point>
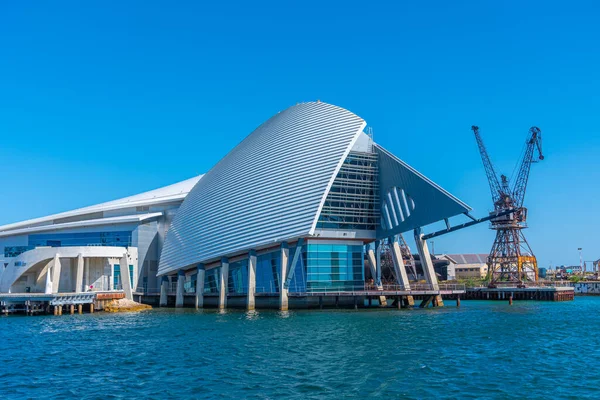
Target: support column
<point>56,274</point>
<point>125,278</point>
<point>179,293</point>
<point>200,286</point>
<point>378,265</point>
<point>79,279</point>
<point>374,256</point>
<point>223,281</point>
<point>427,265</point>
<point>372,263</point>
<point>49,270</point>
<point>426,262</point>
<point>400,269</point>
<point>109,271</point>
<point>86,267</point>
<point>164,283</point>
<point>251,301</point>
<point>283,292</point>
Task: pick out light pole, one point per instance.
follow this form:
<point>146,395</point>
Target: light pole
<point>432,248</point>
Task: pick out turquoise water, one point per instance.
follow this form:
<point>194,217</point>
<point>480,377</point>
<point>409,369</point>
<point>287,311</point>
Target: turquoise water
<point>481,350</point>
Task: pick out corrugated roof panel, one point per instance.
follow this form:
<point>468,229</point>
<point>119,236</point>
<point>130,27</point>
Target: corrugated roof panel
<point>269,188</point>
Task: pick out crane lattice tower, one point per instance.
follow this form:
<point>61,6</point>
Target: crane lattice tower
<point>511,259</point>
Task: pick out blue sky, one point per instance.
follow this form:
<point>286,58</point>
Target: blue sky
<point>99,100</point>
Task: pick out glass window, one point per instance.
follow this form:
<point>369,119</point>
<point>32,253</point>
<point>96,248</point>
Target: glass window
<point>15,251</point>
<point>336,267</point>
<point>118,284</point>
<point>238,277</point>
<point>211,280</point>
<point>122,239</point>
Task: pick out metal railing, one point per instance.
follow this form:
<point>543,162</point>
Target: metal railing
<point>272,289</point>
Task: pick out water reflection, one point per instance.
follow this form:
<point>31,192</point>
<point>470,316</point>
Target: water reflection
<point>252,315</point>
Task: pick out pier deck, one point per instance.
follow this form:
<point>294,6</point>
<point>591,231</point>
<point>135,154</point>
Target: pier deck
<point>538,293</point>
<point>46,303</point>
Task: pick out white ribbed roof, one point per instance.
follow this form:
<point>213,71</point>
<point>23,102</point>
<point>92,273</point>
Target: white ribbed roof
<point>174,192</point>
<point>269,188</point>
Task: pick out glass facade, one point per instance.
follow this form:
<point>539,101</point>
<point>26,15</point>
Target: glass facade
<point>298,282</point>
<point>117,276</point>
<point>353,201</point>
<point>267,272</point>
<point>238,277</point>
<point>333,267</point>
<point>211,280</point>
<point>190,285</point>
<point>321,267</point>
<point>122,239</point>
<point>14,251</point>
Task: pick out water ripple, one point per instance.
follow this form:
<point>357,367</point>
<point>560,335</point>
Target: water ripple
<point>482,350</point>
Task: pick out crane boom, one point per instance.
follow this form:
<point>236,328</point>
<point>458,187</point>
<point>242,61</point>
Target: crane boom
<point>495,187</point>
<point>534,141</point>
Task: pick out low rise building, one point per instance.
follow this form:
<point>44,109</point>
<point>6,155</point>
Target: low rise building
<point>466,266</point>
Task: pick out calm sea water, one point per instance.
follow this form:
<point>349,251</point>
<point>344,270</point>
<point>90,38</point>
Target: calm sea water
<point>482,350</point>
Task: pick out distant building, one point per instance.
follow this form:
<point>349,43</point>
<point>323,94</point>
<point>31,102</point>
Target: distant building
<point>465,266</point>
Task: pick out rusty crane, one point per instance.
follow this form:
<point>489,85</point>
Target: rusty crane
<point>511,259</point>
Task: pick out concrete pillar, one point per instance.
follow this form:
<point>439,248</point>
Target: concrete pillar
<point>372,263</point>
<point>180,288</point>
<point>283,292</point>
<point>399,267</point>
<point>223,281</point>
<point>200,286</point>
<point>72,309</point>
<point>86,274</point>
<point>426,262</point>
<point>79,279</point>
<point>111,273</point>
<point>80,308</point>
<point>251,301</point>
<point>56,274</point>
<point>125,277</point>
<point>378,264</point>
<point>91,308</point>
<point>374,256</point>
<point>164,283</point>
<point>49,268</point>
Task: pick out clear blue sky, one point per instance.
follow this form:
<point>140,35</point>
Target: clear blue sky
<point>100,100</point>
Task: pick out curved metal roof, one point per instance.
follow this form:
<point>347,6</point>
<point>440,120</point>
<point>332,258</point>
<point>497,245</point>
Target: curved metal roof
<point>166,194</point>
<point>269,188</point>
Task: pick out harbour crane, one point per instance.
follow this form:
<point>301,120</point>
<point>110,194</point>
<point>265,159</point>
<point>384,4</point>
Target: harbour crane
<point>511,259</point>
<point>388,264</point>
